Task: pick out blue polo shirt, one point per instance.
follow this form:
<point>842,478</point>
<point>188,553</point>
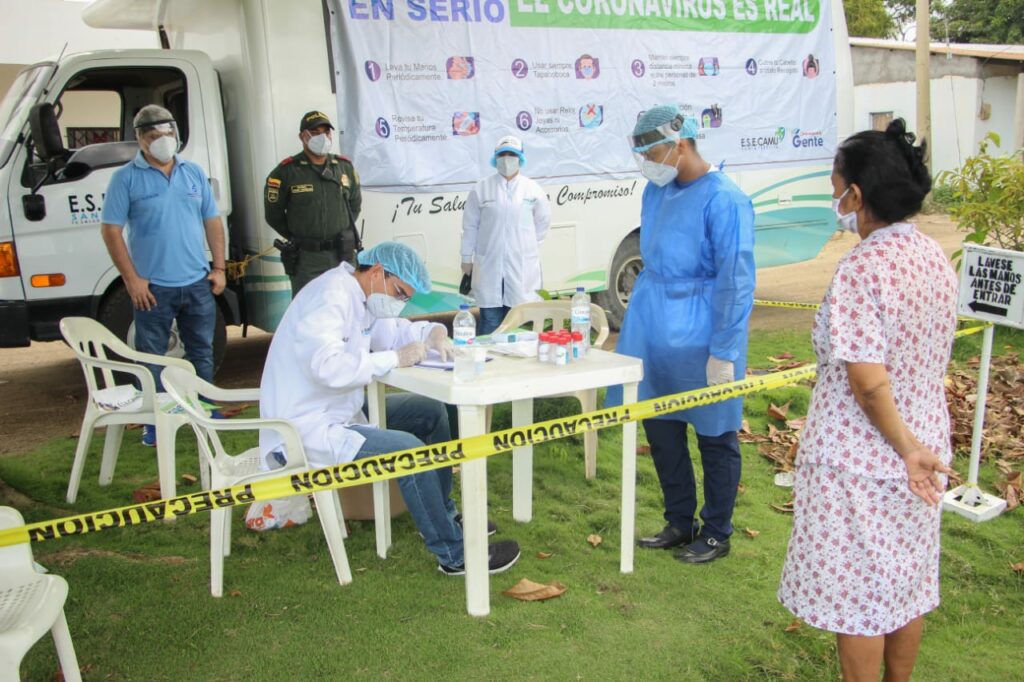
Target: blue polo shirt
<point>166,236</point>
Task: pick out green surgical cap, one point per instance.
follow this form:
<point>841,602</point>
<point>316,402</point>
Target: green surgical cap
<point>401,261</point>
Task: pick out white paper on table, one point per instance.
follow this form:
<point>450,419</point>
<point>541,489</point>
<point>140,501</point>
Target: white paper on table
<point>434,361</point>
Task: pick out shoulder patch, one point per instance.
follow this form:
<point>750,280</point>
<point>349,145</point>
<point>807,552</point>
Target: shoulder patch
<point>342,157</point>
<point>287,160</point>
<point>273,182</point>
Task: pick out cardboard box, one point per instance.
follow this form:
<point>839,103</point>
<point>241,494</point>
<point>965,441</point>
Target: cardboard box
<point>357,502</point>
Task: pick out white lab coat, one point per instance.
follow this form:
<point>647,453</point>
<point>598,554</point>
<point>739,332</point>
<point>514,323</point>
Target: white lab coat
<point>503,225</point>
<point>319,362</point>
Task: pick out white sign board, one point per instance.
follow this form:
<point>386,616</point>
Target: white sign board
<point>428,88</point>
<point>992,285</point>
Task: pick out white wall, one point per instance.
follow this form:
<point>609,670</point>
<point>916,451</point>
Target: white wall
<point>34,30</point>
<point>956,103</point>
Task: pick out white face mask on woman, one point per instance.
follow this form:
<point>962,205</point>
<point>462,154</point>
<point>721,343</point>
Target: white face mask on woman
<point>319,144</point>
<point>847,221</point>
<point>507,166</point>
<point>162,149</point>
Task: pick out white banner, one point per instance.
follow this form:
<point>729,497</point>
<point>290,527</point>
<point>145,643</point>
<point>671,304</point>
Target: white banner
<point>426,87</point>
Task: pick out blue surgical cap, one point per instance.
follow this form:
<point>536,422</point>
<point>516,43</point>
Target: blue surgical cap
<point>400,260</point>
<point>658,116</point>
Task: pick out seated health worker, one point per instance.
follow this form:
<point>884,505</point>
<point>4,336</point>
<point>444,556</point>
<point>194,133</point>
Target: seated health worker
<point>342,330</point>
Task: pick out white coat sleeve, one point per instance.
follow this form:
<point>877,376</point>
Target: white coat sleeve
<point>470,226</point>
<point>541,214</point>
<point>392,334</point>
<point>320,340</point>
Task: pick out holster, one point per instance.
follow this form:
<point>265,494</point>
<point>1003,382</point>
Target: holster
<point>289,255</point>
<point>346,243</point>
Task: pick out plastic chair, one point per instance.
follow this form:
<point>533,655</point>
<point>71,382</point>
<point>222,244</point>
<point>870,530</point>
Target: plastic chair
<point>30,604</point>
<point>93,343</point>
<point>228,470</point>
<point>536,315</point>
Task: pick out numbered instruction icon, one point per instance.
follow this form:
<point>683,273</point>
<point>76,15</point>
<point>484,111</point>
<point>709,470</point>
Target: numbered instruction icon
<point>638,68</point>
<point>524,121</point>
<point>520,68</point>
<point>373,70</point>
<point>383,128</point>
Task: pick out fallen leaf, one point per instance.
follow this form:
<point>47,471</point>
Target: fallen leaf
<point>740,488</point>
<point>643,449</point>
<point>527,590</point>
<point>780,357</point>
<point>188,479</point>
<point>1018,567</point>
<point>234,410</point>
<point>744,426</point>
<point>545,555</point>
<point>786,508</point>
<point>796,424</point>
<point>778,411</point>
<point>794,626</point>
<point>235,593</point>
<point>751,532</point>
<point>595,539</point>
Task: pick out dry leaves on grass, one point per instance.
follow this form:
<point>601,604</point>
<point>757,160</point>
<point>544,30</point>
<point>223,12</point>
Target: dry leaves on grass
<point>235,410</point>
<point>594,539</point>
<point>778,411</point>
<point>1004,407</point>
<point>784,508</point>
<point>1017,567</point>
<point>527,590</point>
<point>545,555</point>
<point>751,533</point>
<point>793,626</point>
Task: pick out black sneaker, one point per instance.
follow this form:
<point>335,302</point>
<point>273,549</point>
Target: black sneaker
<point>703,550</point>
<point>492,528</point>
<point>501,556</point>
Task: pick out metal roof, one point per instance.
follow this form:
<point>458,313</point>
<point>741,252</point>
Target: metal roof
<point>978,50</point>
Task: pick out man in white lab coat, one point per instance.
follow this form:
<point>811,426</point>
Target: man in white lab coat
<point>339,332</point>
<point>506,218</point>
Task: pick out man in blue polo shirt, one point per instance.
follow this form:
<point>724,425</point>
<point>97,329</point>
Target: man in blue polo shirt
<point>169,209</point>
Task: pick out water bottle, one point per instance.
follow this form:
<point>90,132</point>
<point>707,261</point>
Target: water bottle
<point>581,319</point>
<point>464,336</point>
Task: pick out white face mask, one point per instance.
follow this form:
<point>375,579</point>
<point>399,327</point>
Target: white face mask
<point>319,144</point>
<point>163,149</point>
<point>659,173</point>
<point>383,306</point>
<point>847,221</point>
<point>507,166</point>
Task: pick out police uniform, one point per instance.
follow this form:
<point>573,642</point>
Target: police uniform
<point>314,208</point>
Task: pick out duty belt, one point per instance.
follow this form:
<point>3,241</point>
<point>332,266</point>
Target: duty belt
<point>315,244</point>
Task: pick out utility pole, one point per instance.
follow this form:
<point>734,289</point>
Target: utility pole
<point>924,95</point>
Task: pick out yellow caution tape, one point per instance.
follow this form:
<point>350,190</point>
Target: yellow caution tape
<point>786,304</point>
<point>967,331</point>
<point>395,464</point>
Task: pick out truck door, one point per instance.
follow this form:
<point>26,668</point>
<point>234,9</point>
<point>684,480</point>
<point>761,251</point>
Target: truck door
<point>65,268</point>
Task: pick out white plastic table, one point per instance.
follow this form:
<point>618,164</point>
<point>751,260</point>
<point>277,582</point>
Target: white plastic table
<point>519,381</point>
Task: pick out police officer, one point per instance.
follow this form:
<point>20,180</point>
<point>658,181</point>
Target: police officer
<point>312,199</point>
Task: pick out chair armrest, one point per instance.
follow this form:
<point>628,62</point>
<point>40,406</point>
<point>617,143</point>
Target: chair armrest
<point>140,372</point>
<point>232,395</point>
<point>287,431</point>
<point>162,360</point>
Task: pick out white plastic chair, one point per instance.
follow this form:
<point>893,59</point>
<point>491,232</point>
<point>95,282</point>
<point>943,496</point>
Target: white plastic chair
<point>228,470</point>
<point>93,344</point>
<point>536,315</point>
<point>30,604</point>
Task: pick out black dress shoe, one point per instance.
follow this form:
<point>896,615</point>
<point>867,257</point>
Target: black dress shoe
<point>702,550</point>
<point>669,537</point>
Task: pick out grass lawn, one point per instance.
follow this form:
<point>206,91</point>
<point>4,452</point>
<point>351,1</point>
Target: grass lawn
<point>140,608</point>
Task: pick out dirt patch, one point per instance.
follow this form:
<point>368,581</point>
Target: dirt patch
<point>69,556</point>
<point>42,391</point>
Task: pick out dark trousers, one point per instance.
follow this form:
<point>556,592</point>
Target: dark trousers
<point>720,457</point>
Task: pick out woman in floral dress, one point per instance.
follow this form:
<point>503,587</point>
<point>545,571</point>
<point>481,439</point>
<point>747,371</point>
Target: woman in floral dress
<point>863,558</point>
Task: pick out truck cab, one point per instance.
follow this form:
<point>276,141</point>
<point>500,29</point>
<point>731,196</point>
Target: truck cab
<point>66,127</point>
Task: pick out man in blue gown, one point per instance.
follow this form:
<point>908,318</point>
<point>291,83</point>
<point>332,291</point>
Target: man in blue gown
<point>687,320</point>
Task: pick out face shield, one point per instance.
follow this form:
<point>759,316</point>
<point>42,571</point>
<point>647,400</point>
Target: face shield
<point>152,132</point>
<point>666,133</point>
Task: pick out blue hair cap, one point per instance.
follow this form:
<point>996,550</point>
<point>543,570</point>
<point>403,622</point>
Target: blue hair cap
<point>401,261</point>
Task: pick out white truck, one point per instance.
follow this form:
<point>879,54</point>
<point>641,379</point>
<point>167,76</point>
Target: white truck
<point>420,90</point>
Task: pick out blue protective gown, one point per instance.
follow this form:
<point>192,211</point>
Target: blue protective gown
<point>694,295</point>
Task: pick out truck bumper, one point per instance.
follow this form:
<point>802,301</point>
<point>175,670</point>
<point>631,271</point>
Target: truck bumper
<point>13,324</point>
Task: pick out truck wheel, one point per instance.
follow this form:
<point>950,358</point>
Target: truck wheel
<point>626,265</point>
<point>115,314</point>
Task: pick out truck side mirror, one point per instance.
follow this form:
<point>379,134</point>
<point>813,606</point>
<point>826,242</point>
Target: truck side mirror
<point>34,206</point>
<point>42,121</point>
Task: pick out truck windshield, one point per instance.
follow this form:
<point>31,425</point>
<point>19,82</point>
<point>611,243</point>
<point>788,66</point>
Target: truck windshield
<point>23,93</point>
